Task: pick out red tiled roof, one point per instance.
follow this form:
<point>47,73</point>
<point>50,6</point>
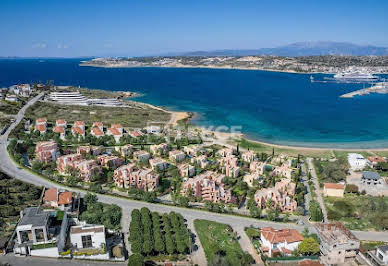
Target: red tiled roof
<point>114,131</point>
<point>333,186</point>
<point>279,236</point>
<point>40,128</point>
<point>97,124</point>
<point>61,121</point>
<point>50,194</point>
<point>41,120</point>
<point>310,263</point>
<point>135,133</point>
<point>117,126</point>
<point>65,198</point>
<point>59,129</point>
<point>97,132</point>
<point>78,130</point>
<point>79,123</point>
<point>376,159</point>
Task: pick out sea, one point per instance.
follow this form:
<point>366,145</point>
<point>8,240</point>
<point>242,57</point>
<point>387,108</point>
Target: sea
<point>273,107</point>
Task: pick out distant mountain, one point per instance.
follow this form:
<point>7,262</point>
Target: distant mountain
<point>301,49</point>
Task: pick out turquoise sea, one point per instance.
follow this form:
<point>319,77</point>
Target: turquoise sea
<point>274,107</point>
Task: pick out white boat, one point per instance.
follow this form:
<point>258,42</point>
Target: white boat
<point>355,76</point>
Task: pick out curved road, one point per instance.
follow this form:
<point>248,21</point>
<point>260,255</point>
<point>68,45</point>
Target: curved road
<point>127,205</point>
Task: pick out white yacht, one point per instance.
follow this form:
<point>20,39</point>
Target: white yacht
<point>354,76</point>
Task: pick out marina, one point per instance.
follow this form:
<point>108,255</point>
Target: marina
<point>381,87</point>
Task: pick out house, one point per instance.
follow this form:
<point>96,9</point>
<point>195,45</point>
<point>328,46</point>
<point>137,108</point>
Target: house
<point>115,132</point>
<point>201,161</point>
<point>35,228</point>
<point>125,150</point>
<point>58,199</point>
<point>129,176</point>
<point>141,156</point>
<point>374,160</point>
<point>41,128</point>
<point>337,243</point>
<point>97,132</point>
<point>333,190</point>
<point>98,125</point>
<point>158,164</point>
<point>61,131</point>
<point>282,195</point>
<point>78,132</point>
<point>379,256</point>
<point>371,178</point>
<point>230,166</point>
<point>192,150</point>
<point>80,124</point>
<point>226,152</point>
<point>11,98</point>
<point>248,156</point>
<point>257,167</point>
<point>176,156</point>
<point>186,170</point>
<point>61,123</point>
<point>159,149</point>
<point>356,161</point>
<point>109,161</point>
<point>23,90</point>
<point>284,170</point>
<point>83,150</point>
<point>279,242</point>
<point>67,162</point>
<point>87,169</point>
<point>209,187</point>
<point>118,127</point>
<point>250,178</point>
<point>135,134</point>
<point>85,237</point>
<point>46,151</point>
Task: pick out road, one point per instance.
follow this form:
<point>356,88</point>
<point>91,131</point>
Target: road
<point>318,190</point>
<point>128,205</point>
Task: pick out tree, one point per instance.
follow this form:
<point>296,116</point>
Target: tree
<point>147,246</point>
<point>136,259</point>
<point>315,211</point>
<point>255,211</point>
<point>90,198</point>
<point>309,246</point>
<point>170,244</point>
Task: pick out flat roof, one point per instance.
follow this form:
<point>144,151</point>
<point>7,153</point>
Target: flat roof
<point>34,216</point>
<point>370,175</point>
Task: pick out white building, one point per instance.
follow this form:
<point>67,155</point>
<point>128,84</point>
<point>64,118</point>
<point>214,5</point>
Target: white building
<point>87,236</point>
<point>357,162</point>
<point>282,241</point>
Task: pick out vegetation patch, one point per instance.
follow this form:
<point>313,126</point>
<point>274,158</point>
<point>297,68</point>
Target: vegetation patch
<point>220,244</point>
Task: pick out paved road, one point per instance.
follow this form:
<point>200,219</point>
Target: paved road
<point>317,188</point>
<point>36,261</point>
<point>128,205</point>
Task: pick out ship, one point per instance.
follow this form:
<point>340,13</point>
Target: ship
<point>354,76</point>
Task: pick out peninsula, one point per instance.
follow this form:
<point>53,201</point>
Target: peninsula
<point>303,64</point>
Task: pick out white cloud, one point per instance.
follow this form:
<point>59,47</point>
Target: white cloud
<point>39,46</point>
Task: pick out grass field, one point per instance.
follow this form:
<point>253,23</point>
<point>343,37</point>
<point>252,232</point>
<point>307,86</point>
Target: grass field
<point>344,154</point>
<point>359,212</point>
<point>220,244</point>
<point>267,148</point>
<point>130,117</point>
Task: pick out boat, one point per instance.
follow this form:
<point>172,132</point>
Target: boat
<point>354,76</point>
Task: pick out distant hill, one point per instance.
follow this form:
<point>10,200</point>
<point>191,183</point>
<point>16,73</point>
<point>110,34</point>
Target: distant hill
<point>301,49</point>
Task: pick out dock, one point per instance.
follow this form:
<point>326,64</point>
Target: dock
<point>381,87</point>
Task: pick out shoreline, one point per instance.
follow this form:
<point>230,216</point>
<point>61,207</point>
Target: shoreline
<point>214,67</point>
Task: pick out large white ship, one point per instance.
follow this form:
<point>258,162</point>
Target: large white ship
<point>354,76</point>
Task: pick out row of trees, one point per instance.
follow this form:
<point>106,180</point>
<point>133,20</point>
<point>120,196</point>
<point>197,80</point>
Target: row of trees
<point>151,234</point>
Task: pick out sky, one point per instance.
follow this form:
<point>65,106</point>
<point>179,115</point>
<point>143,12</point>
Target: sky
<point>69,28</point>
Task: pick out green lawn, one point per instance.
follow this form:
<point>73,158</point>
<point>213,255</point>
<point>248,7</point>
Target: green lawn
<point>220,244</point>
<point>267,148</point>
<point>344,154</point>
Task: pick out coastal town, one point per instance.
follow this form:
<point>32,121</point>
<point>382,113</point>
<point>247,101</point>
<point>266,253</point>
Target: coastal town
<point>116,193</point>
<point>302,64</point>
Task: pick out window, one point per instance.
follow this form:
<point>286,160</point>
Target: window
<point>87,241</point>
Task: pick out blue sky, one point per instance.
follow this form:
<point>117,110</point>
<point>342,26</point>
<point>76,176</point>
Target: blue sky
<point>147,27</point>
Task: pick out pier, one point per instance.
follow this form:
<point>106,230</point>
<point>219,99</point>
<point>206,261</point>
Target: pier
<point>381,87</point>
